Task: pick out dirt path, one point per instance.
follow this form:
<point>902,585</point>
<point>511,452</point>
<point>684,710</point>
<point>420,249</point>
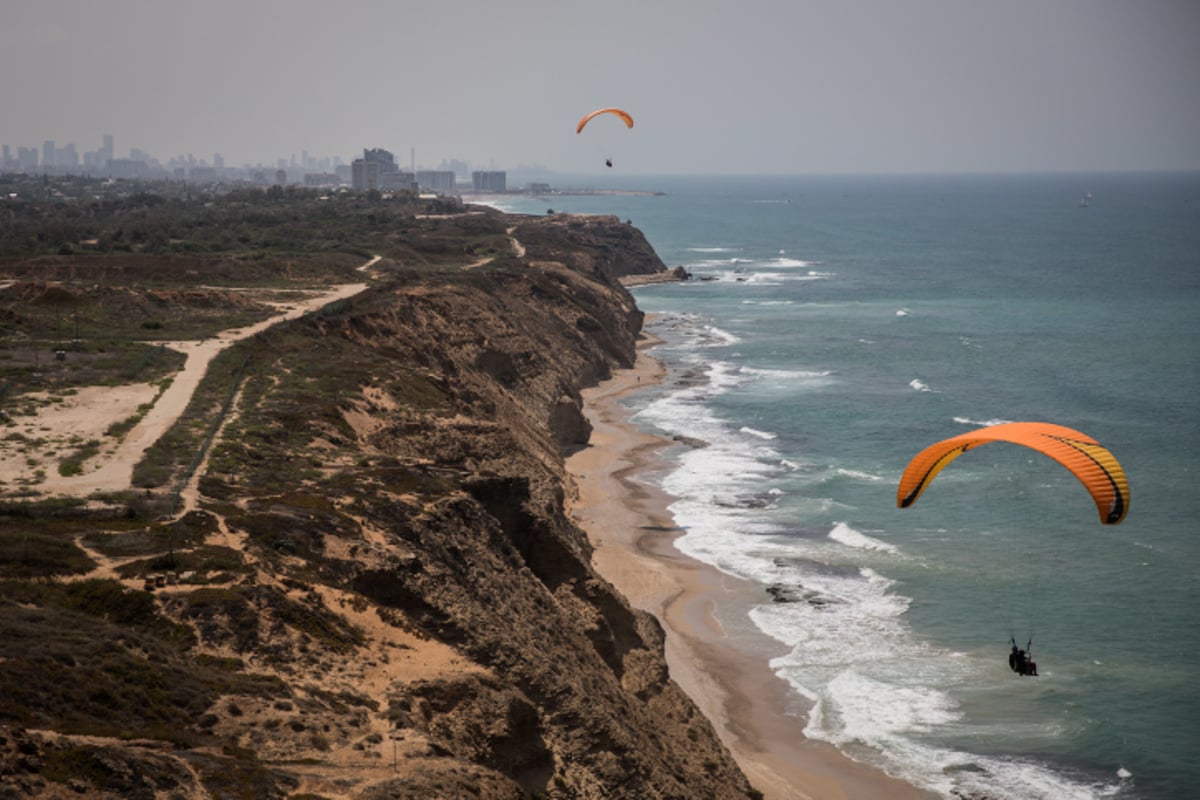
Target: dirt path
<point>518,250</point>
<point>89,413</point>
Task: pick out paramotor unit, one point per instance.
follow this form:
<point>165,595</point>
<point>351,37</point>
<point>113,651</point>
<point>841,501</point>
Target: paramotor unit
<point>1095,467</point>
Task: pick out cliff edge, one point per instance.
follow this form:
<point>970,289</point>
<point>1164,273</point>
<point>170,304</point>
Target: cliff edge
<point>378,593</point>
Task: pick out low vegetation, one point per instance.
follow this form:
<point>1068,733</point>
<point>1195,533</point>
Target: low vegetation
<point>379,547</point>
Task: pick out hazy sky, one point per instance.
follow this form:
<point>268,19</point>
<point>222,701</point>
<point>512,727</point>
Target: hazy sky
<point>715,86</point>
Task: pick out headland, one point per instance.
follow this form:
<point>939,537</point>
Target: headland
<point>346,566</point>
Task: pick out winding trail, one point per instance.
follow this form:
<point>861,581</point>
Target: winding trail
<point>518,250</point>
<point>112,471</point>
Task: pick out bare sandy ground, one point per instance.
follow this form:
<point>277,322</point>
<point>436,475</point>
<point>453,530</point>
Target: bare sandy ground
<point>86,415</point>
<point>724,670</point>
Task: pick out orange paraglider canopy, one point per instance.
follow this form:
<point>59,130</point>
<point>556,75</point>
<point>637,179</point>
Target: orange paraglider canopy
<point>1094,466</point>
<point>588,117</point>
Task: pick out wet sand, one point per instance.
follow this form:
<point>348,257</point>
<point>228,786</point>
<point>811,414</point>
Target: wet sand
<point>719,660</point>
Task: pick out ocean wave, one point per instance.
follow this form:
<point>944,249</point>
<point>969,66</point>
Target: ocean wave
<point>696,330</point>
<point>760,434</point>
<point>848,536</point>
<point>858,475</point>
<point>764,271</point>
<point>872,685</point>
<point>787,374</point>
<point>749,277</point>
<point>981,423</point>
<point>902,312</point>
<point>848,617</point>
<point>714,262</point>
<point>783,261</point>
<point>909,709</point>
<point>969,343</point>
<point>713,249</point>
<point>919,385</point>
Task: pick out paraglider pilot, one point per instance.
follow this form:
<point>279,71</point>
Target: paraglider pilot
<point>1021,661</point>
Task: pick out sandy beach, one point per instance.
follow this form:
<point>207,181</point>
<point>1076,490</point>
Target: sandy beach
<point>721,663</point>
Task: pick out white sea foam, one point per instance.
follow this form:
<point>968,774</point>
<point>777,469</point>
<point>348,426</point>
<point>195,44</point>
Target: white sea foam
<point>783,261</point>
<point>765,508</point>
<point>715,262</point>
<point>987,423</point>
<point>751,277</point>
<point>696,331</point>
<point>851,538</point>
<point>874,684</point>
<point>717,337</point>
<point>870,707</point>
<point>788,377</point>
<point>969,343</point>
<point>713,249</point>
<point>862,709</point>
<point>858,474</point>
<point>841,618</point>
<point>760,434</point>
<point>761,272</point>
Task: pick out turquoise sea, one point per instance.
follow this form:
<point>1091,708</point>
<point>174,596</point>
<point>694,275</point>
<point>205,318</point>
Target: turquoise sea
<point>836,326</point>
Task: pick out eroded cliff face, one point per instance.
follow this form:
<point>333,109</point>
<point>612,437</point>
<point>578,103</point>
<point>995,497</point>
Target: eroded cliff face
<point>381,595</point>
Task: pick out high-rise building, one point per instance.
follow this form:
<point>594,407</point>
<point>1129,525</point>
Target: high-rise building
<point>367,172</point>
<point>386,161</point>
<point>489,180</point>
<point>440,181</point>
<point>364,174</point>
<point>66,156</point>
<point>27,158</point>
<point>130,168</point>
<point>48,153</point>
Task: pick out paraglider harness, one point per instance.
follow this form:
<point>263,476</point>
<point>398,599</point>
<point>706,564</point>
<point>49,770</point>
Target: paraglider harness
<point>1021,661</point>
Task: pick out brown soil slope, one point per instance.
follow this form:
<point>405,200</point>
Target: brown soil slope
<point>380,594</point>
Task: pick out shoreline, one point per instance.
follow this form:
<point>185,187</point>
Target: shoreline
<point>723,667</point>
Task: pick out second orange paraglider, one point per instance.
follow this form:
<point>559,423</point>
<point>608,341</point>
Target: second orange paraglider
<point>624,115</point>
<point>1091,463</point>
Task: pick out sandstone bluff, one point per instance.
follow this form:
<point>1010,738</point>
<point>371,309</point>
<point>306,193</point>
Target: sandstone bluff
<point>377,592</point>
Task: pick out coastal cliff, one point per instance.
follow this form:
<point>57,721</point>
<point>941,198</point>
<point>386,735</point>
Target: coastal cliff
<point>378,592</point>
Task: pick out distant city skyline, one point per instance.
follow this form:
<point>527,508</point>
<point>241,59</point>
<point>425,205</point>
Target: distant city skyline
<point>714,86</point>
<point>106,160</point>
